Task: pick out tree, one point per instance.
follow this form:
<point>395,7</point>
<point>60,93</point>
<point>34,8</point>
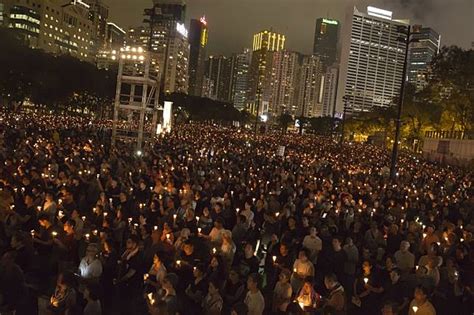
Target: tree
<point>452,76</point>
<point>322,125</point>
<point>284,121</point>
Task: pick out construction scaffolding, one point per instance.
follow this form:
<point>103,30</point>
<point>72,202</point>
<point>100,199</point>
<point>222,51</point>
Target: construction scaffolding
<point>137,97</point>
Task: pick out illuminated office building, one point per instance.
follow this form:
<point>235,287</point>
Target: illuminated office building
<point>424,46</point>
<point>326,37</point>
<point>264,44</point>
<point>198,36</point>
<point>372,60</point>
<point>218,78</point>
<point>57,27</point>
<point>240,79</point>
<point>330,79</point>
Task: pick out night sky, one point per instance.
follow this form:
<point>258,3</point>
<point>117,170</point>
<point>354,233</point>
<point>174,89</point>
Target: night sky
<point>232,22</point>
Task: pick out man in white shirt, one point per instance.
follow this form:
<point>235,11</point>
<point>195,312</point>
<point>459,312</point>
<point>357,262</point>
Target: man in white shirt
<point>405,259</point>
<point>254,298</point>
<point>90,266</point>
<point>313,243</point>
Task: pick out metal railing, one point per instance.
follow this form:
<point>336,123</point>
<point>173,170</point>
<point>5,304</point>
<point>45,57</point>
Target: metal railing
<point>457,135</point>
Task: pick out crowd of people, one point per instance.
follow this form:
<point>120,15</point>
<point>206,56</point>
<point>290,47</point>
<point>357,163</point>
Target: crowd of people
<point>215,220</point>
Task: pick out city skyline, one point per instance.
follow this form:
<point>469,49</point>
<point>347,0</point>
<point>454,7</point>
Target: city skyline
<point>229,33</point>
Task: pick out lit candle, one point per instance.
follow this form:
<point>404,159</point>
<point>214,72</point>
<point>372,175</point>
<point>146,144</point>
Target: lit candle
<point>39,208</point>
<point>199,230</point>
<point>83,218</point>
<point>274,258</point>
<point>414,308</point>
<point>155,228</point>
<point>32,233</point>
<point>174,217</point>
<point>130,220</point>
<point>145,276</point>
<point>178,263</point>
<point>168,236</point>
<point>366,280</point>
<point>88,236</point>
<point>54,233</point>
<point>214,250</point>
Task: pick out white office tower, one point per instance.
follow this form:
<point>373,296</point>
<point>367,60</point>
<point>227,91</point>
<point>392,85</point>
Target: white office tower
<point>373,54</point>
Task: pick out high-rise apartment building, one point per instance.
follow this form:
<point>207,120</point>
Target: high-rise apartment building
<point>425,44</point>
<point>198,37</point>
<point>310,85</point>
<point>218,78</point>
<point>115,36</point>
<point>284,83</point>
<point>330,79</point>
<point>372,60</point>
<point>98,14</point>
<point>57,27</point>
<point>240,77</point>
<point>167,38</point>
<point>326,37</point>
<point>264,44</point>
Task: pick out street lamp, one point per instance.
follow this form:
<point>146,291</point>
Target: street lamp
<point>393,166</point>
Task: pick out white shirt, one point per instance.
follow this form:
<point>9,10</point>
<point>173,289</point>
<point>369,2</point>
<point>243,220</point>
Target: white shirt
<point>255,303</point>
<point>314,244</point>
<point>90,270</point>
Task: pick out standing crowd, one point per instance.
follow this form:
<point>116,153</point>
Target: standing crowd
<point>213,220</point>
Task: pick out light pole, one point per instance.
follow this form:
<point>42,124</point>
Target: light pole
<point>393,166</point>
<point>341,140</point>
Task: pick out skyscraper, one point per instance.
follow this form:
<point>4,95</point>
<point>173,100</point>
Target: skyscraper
<point>170,10</point>
<point>98,14</point>
<point>330,79</point>
<point>57,27</point>
<point>240,76</point>
<point>326,37</point>
<point>167,38</point>
<point>198,36</point>
<point>283,85</point>
<point>372,60</point>
<point>310,94</point>
<point>218,78</point>
<point>264,44</point>
<point>425,45</point>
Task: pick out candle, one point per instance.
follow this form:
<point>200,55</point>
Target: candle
<point>366,280</point>
<point>155,228</point>
<point>274,258</point>
<point>145,276</point>
<point>39,208</point>
<point>130,220</point>
<point>178,263</point>
<point>414,308</point>
<point>199,230</point>
<point>54,233</point>
<point>87,236</point>
<point>95,232</point>
<point>83,218</point>
<point>168,236</point>
<point>175,216</point>
<point>214,250</point>
<point>32,233</point>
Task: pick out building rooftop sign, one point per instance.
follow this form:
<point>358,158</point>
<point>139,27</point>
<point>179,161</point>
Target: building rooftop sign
<point>333,22</point>
<point>380,13</point>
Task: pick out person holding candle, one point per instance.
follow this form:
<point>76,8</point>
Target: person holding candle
<point>420,305</point>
